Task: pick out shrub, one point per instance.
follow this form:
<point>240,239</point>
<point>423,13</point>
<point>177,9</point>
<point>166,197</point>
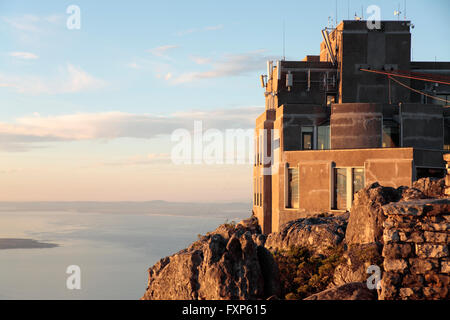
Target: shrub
<point>302,273</point>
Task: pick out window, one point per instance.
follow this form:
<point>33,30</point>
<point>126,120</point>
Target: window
<point>330,99</point>
<point>358,180</point>
<point>323,137</point>
<point>292,188</point>
<point>347,182</point>
<point>340,188</point>
<point>260,149</point>
<point>254,192</point>
<point>307,138</point>
<point>260,191</point>
<point>391,134</point>
<point>255,150</point>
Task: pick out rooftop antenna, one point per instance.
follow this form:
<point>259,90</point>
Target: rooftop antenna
<point>336,16</point>
<point>348,9</point>
<point>284,41</point>
<point>362,13</point>
<point>404,12</point>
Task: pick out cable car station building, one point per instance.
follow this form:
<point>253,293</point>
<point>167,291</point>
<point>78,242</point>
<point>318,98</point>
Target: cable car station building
<point>358,113</point>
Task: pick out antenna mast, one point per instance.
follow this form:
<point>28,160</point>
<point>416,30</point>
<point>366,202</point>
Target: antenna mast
<point>284,41</point>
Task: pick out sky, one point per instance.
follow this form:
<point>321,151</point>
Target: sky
<point>88,113</point>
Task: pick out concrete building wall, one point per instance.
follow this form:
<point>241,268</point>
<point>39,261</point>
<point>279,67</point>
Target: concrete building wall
<point>261,172</point>
<point>393,167</point>
<point>393,172</point>
<point>293,116</point>
<point>356,125</point>
<point>422,126</point>
<point>359,47</point>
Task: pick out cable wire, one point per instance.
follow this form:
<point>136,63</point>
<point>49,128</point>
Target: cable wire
<point>418,91</point>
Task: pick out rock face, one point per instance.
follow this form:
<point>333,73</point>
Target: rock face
<point>403,231</point>
<point>317,234</point>
<point>349,291</point>
<point>365,224</point>
<point>416,257</point>
<point>431,187</point>
<point>357,259</point>
<point>229,263</point>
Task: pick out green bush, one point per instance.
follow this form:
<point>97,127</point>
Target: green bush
<point>303,274</point>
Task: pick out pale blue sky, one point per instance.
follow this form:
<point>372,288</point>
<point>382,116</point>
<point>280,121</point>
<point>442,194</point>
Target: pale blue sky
<point>144,60</point>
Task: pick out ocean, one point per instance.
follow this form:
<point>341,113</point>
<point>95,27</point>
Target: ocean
<point>112,247</point>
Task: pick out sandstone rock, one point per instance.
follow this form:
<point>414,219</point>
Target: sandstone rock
<point>415,236</point>
<point>389,283</point>
<point>434,293</point>
<point>391,235</point>
<point>357,259</point>
<point>224,264</point>
<point>413,280</point>
<point>349,291</point>
<point>431,187</point>
<point>408,194</point>
<point>394,265</point>
<point>436,237</point>
<point>445,266</point>
<point>397,251</point>
<point>410,293</point>
<point>421,266</point>
<point>428,250</point>
<point>317,234</point>
<point>365,224</point>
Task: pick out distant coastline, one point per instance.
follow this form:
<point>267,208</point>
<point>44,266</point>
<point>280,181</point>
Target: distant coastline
<point>16,243</point>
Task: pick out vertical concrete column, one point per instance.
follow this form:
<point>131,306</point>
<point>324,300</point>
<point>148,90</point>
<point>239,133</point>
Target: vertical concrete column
<point>447,177</point>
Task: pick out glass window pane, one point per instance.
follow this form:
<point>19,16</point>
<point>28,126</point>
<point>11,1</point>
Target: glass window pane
<point>292,194</point>
<point>391,134</point>
<point>340,188</point>
<point>307,141</point>
<point>323,137</point>
<point>358,180</point>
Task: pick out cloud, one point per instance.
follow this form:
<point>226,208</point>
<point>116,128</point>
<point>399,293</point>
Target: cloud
<point>23,55</point>
<point>193,30</point>
<point>134,65</point>
<point>213,28</point>
<point>228,65</point>
<point>150,158</point>
<point>161,51</point>
<point>30,132</point>
<point>32,23</point>
<point>70,80</point>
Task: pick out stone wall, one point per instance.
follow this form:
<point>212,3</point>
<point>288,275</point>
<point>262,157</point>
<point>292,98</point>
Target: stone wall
<point>416,254</point>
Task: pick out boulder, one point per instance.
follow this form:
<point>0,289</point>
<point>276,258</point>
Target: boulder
<point>356,261</point>
<point>349,291</point>
<point>225,264</point>
<point>365,224</point>
<point>430,187</point>
<point>317,234</point>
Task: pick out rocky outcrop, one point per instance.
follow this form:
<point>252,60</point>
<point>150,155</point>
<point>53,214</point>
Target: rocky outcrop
<point>365,224</point>
<point>228,263</point>
<point>416,255</point>
<point>430,187</point>
<point>385,230</point>
<point>403,231</point>
<point>356,260</point>
<point>349,291</point>
<point>317,234</point>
